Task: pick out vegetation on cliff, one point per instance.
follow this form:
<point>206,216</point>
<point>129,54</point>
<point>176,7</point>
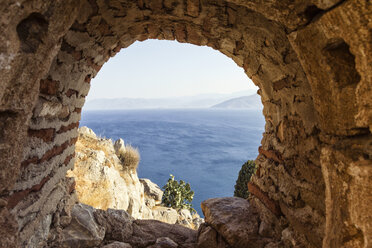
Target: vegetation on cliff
<point>245,174</point>
<point>178,195</point>
<point>129,157</point>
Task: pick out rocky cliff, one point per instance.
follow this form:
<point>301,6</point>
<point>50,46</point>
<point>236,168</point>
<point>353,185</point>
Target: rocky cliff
<point>119,210</point>
<point>104,181</point>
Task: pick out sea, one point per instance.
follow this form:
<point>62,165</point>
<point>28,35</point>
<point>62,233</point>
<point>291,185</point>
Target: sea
<point>204,147</point>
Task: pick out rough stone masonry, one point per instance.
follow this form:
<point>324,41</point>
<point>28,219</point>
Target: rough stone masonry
<point>311,60</point>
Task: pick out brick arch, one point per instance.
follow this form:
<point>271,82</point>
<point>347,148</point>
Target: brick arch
<point>47,76</point>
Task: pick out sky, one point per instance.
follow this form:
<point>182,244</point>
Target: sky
<point>163,69</point>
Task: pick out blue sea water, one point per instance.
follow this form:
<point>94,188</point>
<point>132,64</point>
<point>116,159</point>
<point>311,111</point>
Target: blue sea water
<point>205,147</point>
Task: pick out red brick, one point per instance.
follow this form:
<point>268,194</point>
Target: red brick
<point>18,196</point>
<point>57,150</point>
<point>70,92</point>
<point>47,134</point>
<point>91,63</point>
<point>68,127</point>
<point>49,87</point>
<point>32,160</point>
<point>87,78</point>
<point>272,205</point>
<point>68,159</point>
<point>77,110</point>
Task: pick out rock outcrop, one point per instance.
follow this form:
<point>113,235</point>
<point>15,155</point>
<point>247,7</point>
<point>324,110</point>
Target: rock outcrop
<point>102,182</point>
<point>90,227</point>
<point>231,222</point>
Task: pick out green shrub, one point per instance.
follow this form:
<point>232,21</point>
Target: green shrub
<point>129,158</point>
<point>245,174</point>
<point>177,195</point>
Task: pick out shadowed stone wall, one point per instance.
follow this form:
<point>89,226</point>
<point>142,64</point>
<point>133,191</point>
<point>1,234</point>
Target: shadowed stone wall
<point>310,59</point>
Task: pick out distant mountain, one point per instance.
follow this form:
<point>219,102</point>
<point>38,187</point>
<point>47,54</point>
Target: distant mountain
<point>198,101</point>
<point>243,102</point>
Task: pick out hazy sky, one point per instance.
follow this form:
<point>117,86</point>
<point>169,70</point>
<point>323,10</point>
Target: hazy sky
<point>157,69</point>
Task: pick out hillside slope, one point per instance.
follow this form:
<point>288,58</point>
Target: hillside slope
<point>244,102</point>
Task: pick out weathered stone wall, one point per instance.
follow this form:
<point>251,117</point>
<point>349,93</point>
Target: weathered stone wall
<point>311,60</point>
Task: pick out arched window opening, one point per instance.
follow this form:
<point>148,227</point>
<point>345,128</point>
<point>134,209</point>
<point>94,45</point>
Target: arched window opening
<point>190,111</point>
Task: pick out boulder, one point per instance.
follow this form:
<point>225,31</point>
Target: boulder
<point>152,190</point>
<point>234,220</point>
<point>148,231</point>
<point>85,131</point>
<point>168,215</point>
<point>83,230</point>
<point>117,223</point>
<point>90,227</point>
<point>208,237</point>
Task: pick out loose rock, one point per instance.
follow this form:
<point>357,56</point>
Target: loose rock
<point>151,189</point>
<point>83,231</point>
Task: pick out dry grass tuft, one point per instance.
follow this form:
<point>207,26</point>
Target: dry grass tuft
<point>129,158</point>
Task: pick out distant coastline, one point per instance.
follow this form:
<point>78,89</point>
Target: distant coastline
<point>243,102</point>
<point>239,100</point>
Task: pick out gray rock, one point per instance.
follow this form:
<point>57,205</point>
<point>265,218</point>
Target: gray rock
<point>151,189</point>
<point>83,231</point>
<point>85,131</point>
<point>119,146</point>
<point>118,224</point>
<point>165,242</point>
<point>197,221</point>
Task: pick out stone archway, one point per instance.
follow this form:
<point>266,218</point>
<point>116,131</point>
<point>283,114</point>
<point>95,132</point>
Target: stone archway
<point>311,60</point>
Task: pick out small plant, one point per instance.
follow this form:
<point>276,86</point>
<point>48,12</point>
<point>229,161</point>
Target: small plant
<point>129,157</point>
<point>245,174</point>
<point>178,195</point>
